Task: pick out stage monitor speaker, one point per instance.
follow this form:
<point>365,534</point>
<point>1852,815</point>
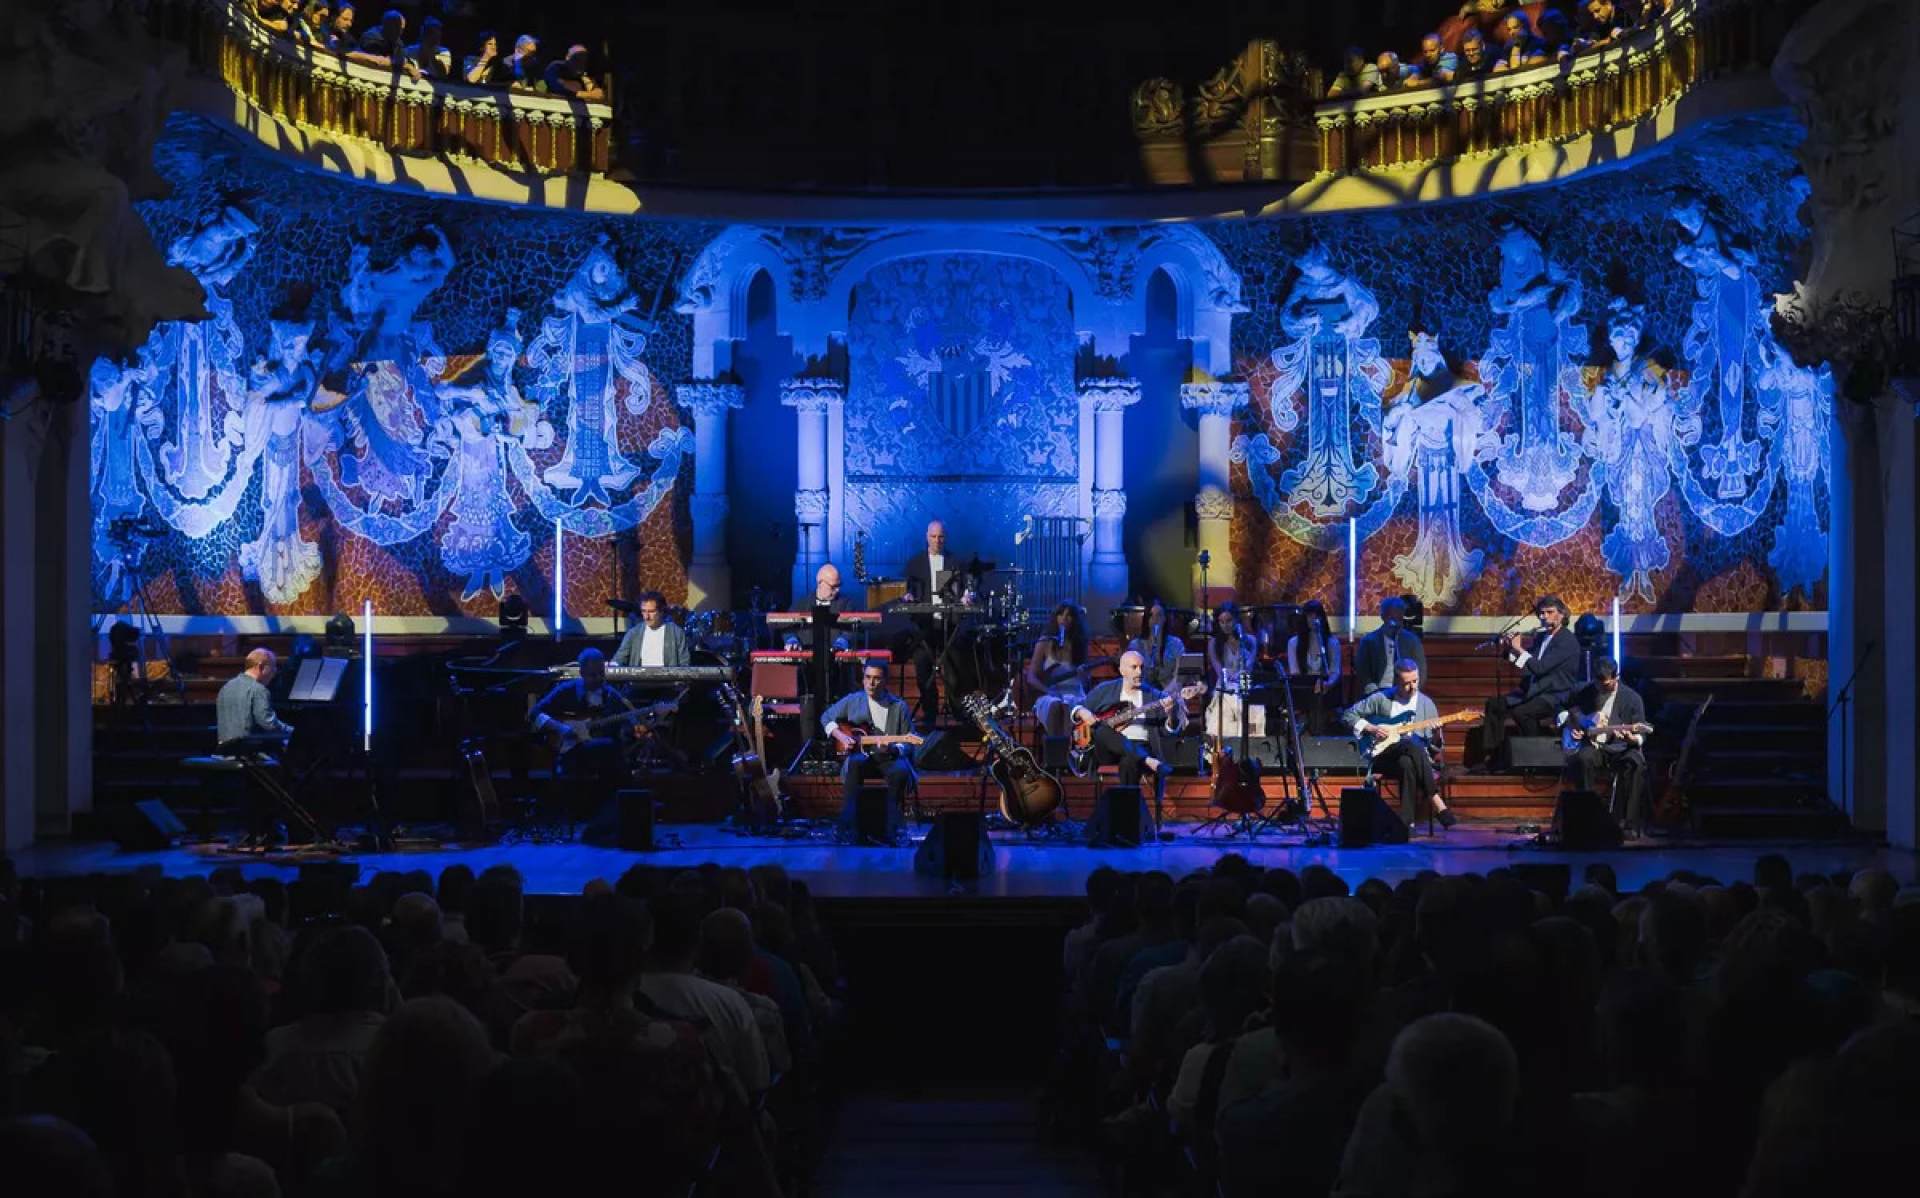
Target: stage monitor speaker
<point>870,823</point>
<point>1533,754</point>
<point>1268,752</point>
<point>941,752</point>
<point>1119,816</point>
<point>1332,754</point>
<point>1054,751</point>
<point>1583,822</point>
<point>1365,819</point>
<point>956,848</point>
<point>145,825</point>
<point>1183,752</point>
<point>624,821</point>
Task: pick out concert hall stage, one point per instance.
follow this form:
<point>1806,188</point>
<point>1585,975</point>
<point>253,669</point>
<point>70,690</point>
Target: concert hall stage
<point>1024,870</point>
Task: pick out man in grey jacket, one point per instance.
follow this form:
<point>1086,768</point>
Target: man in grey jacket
<point>656,640</point>
<point>1412,760</point>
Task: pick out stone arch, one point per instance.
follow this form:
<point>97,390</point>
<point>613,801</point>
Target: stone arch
<point>1206,290</point>
<point>714,292</point>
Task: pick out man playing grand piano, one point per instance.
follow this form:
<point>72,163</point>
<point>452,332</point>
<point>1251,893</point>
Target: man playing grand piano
<point>656,640</point>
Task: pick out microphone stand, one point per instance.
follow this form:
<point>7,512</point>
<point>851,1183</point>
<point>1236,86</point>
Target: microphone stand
<point>1842,702</point>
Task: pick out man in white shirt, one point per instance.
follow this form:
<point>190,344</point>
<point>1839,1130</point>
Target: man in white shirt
<point>1549,665</point>
<point>672,986</point>
<point>654,642</point>
<point>1410,761</point>
<point>934,576</point>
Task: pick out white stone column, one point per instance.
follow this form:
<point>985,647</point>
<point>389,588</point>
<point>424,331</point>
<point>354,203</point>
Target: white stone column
<point>1110,398</point>
<point>709,576</point>
<point>1215,403</point>
<point>813,401</point>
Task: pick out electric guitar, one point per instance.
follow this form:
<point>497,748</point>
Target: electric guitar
<point>576,731</point>
<point>1575,733</point>
<point>860,739</point>
<point>1401,726</point>
<point>760,787</point>
<point>1119,716</point>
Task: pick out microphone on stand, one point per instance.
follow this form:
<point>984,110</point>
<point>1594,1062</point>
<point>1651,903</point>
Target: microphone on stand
<point>621,605</point>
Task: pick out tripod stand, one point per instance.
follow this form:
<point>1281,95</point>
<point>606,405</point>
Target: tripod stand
<point>132,681</point>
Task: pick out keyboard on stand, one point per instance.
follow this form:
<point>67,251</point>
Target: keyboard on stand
<point>801,619</point>
<point>657,675</point>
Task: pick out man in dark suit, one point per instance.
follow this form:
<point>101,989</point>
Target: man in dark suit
<point>1550,668</point>
<point>933,576</point>
<point>1609,702</point>
<point>873,711</point>
<point>656,640</point>
<point>1379,650</point>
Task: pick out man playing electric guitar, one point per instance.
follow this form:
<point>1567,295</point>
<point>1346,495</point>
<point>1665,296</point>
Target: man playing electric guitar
<point>872,710</point>
<point>1131,746</point>
<point>1605,726</point>
<point>1412,761</point>
<point>598,761</point>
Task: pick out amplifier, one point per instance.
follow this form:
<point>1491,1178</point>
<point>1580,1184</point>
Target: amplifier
<point>1332,754</point>
<point>1533,754</point>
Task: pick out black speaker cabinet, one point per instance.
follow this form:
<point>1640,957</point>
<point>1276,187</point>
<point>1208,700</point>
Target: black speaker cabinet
<point>1183,752</point>
<point>1365,819</point>
<point>1332,754</point>
<point>1533,754</point>
<point>1583,822</point>
<point>1054,751</point>
<point>871,825</point>
<point>956,848</point>
<point>941,752</point>
<point>1119,816</point>
<point>145,825</point>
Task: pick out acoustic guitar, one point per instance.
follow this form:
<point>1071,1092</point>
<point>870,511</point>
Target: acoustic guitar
<point>1028,793</point>
<point>1401,726</point>
<point>1119,716</point>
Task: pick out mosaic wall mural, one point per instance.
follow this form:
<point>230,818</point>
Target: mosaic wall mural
<point>392,399</point>
<point>397,399</point>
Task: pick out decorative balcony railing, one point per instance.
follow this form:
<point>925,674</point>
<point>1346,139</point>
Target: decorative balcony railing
<point>1256,121</point>
<point>316,90</point>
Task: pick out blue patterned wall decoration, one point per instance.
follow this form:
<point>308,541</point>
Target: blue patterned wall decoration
<point>960,401</point>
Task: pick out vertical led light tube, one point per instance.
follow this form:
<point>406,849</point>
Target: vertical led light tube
<point>559,577</point>
<point>1353,579</point>
<point>366,679</point>
<point>1617,659</point>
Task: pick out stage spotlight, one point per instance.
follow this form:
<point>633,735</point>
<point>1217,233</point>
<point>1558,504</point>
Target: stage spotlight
<point>1416,612</point>
<point>1591,631</point>
<point>340,636</point>
<point>514,613</point>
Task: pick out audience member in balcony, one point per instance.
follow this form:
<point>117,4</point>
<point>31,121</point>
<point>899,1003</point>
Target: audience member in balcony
<point>340,37</point>
<point>485,67</point>
<point>1360,78</point>
<point>1519,48</point>
<point>1388,67</point>
<point>568,76</point>
<point>1555,32</point>
<point>521,68</point>
<point>311,28</point>
<point>277,15</point>
<point>1600,22</point>
<point>1476,59</point>
<point>430,53</point>
<point>387,45</point>
<point>1438,63</point>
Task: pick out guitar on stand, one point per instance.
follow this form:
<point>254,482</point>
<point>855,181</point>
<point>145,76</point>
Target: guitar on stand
<point>1028,793</point>
<point>1236,777</point>
<point>759,786</point>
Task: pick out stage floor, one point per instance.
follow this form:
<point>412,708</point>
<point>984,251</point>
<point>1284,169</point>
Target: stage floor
<point>1023,868</point>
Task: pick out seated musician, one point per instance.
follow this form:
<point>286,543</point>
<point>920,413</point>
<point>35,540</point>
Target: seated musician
<point>826,593</point>
<point>599,761</point>
<point>656,640</point>
<point>1414,760</point>
<point>1131,747</point>
<point>1158,647</point>
<point>1231,652</point>
<point>1549,663</point>
<point>1609,701</point>
<point>872,710</point>
<point>245,722</point>
<point>1314,652</point>
<point>1057,671</point>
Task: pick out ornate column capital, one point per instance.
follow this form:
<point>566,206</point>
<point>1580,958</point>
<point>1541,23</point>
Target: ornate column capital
<point>810,507</point>
<point>1109,503</point>
<point>811,394</point>
<point>1110,394</point>
<point>1213,504</point>
<point>1215,399</point>
<point>706,397</point>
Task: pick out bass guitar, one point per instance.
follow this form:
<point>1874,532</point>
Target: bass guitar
<point>759,786</point>
<point>585,728</point>
<point>1576,733</point>
<point>1028,793</point>
<point>1401,726</point>
<point>1118,717</point>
